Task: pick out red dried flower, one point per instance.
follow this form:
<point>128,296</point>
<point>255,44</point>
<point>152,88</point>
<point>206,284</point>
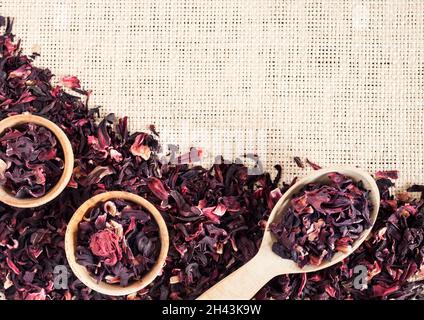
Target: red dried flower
<point>105,244</point>
<point>70,82</point>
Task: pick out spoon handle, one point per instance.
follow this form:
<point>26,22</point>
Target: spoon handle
<point>243,283</point>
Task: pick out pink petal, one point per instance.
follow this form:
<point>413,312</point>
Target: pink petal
<point>47,155</point>
<point>330,291</point>
<point>389,174</point>
<point>13,266</point>
<point>382,291</point>
<point>22,72</point>
<point>71,82</point>
<point>139,149</point>
<point>157,188</point>
<point>41,295</point>
<point>115,155</point>
<point>220,210</point>
<point>208,212</point>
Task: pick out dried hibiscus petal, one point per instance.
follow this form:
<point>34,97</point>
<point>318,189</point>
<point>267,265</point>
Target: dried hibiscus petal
<point>321,220</point>
<point>105,244</point>
<point>117,247</point>
<point>140,147</point>
<point>71,82</point>
<point>31,160</point>
<point>203,249</point>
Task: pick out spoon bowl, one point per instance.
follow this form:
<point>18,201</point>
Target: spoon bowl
<point>243,283</point>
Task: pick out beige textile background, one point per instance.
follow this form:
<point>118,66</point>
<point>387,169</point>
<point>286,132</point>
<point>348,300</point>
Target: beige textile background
<point>340,82</point>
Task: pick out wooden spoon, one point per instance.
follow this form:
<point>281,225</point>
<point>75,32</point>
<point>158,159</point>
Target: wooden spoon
<point>245,282</point>
<point>81,272</point>
<point>14,121</point>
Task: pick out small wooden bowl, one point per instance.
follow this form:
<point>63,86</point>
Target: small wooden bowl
<point>82,273</point>
<point>14,121</point>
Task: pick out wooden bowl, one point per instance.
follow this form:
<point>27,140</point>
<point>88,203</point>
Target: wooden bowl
<point>14,121</point>
<point>82,273</point>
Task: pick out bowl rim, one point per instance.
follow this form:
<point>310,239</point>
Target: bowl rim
<point>82,273</point>
<point>68,167</point>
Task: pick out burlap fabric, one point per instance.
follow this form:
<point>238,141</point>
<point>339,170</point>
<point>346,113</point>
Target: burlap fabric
<point>339,82</point>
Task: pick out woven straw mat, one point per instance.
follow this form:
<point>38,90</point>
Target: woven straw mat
<point>339,82</point>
